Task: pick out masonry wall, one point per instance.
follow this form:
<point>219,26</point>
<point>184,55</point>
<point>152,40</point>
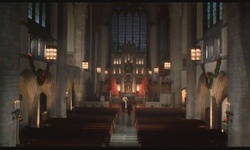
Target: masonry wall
<point>10,30</point>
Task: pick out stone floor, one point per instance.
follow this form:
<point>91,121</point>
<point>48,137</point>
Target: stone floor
<point>124,134</point>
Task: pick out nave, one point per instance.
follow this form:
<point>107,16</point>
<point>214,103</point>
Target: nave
<point>125,133</point>
<point>110,127</point>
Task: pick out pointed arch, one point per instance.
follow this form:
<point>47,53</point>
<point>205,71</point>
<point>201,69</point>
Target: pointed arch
<point>220,87</point>
<point>220,93</point>
<point>28,84</point>
<point>202,100</point>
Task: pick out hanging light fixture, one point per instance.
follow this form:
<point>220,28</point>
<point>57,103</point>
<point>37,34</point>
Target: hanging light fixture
<point>196,53</point>
<point>106,72</point>
<point>85,65</point>
<point>98,69</point>
<point>156,70</point>
<point>150,72</point>
<point>50,55</point>
<point>167,65</point>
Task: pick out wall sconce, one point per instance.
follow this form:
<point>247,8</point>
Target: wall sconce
<point>16,114</point>
<point>228,112</point>
<point>50,55</point>
<point>167,65</point>
<point>156,70</point>
<point>16,108</point>
<point>17,104</point>
<point>85,65</point>
<point>66,96</point>
<point>196,53</point>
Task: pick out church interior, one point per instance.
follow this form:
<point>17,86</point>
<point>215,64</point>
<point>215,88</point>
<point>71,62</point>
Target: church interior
<point>70,69</point>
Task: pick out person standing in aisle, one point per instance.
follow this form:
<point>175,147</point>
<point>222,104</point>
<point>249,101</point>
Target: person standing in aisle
<point>129,108</point>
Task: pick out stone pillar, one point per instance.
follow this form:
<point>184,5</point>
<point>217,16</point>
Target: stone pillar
<point>153,48</point>
<point>191,65</point>
<point>238,21</point>
<point>10,31</point>
<point>59,104</point>
<point>175,10</point>
<point>80,13</point>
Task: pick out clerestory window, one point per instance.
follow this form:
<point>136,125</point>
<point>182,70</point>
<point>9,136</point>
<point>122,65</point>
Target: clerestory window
<point>39,27</point>
<point>129,26</point>
<point>213,14</point>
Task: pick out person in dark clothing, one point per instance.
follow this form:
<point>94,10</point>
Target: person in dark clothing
<point>123,106</point>
<point>129,108</point>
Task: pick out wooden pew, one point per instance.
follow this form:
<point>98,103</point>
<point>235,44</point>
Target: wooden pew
<point>166,128</point>
<point>84,128</point>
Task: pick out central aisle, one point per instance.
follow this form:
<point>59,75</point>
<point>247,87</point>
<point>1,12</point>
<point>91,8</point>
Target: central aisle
<point>124,134</point>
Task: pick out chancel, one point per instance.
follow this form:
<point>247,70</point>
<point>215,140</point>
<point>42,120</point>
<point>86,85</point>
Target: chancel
<point>70,69</point>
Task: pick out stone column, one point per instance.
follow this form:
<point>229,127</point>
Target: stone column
<point>80,14</point>
<point>175,10</point>
<point>191,65</point>
<point>238,21</point>
<point>59,104</point>
<point>10,44</point>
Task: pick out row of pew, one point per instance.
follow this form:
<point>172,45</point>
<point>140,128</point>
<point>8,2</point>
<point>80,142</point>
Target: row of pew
<point>167,127</point>
<point>83,127</point>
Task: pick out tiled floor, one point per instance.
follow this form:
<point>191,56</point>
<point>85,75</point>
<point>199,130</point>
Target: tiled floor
<point>124,134</point>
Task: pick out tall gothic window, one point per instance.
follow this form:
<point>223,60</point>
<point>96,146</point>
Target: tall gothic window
<point>37,12</point>
<point>39,25</point>
<point>129,27</point>
<point>213,13</point>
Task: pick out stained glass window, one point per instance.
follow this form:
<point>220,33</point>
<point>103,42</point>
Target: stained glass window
<point>221,10</point>
<point>121,31</point>
<point>129,26</point>
<point>214,12</point>
<point>37,12</point>
<point>143,32</point>
<point>114,31</point>
<point>208,15</point>
<point>136,29</point>
<point>30,10</point>
<point>43,14</point>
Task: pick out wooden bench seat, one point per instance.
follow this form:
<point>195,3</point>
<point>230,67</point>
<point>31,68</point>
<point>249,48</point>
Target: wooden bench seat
<point>168,128</point>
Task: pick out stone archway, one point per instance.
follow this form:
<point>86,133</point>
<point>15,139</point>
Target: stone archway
<point>28,89</point>
<point>202,101</point>
<point>31,91</point>
<point>220,93</point>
